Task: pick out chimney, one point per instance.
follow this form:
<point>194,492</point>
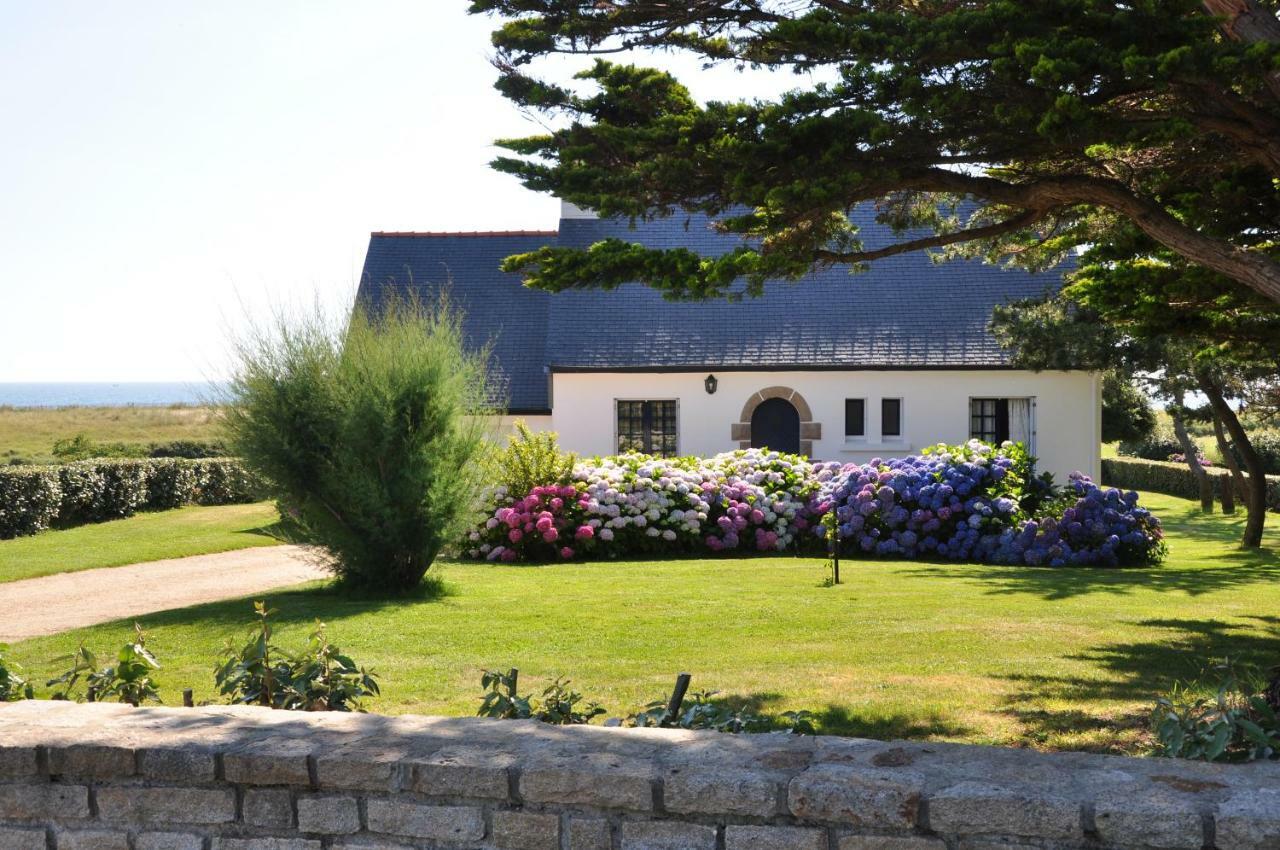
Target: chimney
<point>568,210</point>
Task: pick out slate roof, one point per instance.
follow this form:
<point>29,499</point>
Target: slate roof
<point>905,311</point>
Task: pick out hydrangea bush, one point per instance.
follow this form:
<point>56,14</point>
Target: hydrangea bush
<point>972,502</point>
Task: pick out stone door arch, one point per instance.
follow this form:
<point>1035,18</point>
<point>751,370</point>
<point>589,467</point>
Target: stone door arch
<point>809,430</point>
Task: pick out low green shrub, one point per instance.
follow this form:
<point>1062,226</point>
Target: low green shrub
<point>98,490</point>
<point>172,483</point>
<point>1173,479</point>
<point>1156,446</point>
<point>189,449</point>
<point>80,447</point>
<point>319,678</point>
<point>1224,716</point>
<point>30,499</point>
<point>1267,445</point>
<point>12,684</point>
<point>128,680</point>
<point>559,705</point>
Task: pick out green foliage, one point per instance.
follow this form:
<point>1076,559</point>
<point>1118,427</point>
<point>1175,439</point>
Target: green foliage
<point>80,447</point>
<point>190,449</point>
<point>323,678</point>
<point>532,459</point>
<point>1065,121</point>
<point>1267,445</point>
<point>369,432</point>
<point>35,498</point>
<point>318,678</point>
<point>1226,719</point>
<point>13,686</point>
<point>128,680</point>
<point>1157,445</point>
<point>559,705</point>
<point>1173,479</point>
<point>30,499</point>
<point>701,710</point>
<point>1126,410</point>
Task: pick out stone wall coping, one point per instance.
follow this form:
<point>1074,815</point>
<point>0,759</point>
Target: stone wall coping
<point>708,778</point>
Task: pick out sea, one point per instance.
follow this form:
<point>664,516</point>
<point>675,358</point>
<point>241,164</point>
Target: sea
<point>141,394</point>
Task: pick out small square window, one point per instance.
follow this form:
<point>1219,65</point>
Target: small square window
<point>855,417</point>
<point>891,417</point>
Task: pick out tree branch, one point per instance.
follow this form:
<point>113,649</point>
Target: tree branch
<point>988,231</point>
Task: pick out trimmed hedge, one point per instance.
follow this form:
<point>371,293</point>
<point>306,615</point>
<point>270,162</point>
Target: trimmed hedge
<point>1173,479</point>
<point>33,498</point>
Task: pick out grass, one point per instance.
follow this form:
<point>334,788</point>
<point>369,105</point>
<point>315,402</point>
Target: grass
<point>1051,658</point>
<point>28,433</point>
<point>145,537</point>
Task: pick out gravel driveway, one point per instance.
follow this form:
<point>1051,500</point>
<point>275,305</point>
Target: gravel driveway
<point>57,603</point>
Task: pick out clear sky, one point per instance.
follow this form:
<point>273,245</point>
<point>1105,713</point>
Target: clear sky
<point>168,168</point>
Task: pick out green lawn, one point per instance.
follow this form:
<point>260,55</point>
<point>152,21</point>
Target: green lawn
<point>145,537</point>
<point>1053,658</point>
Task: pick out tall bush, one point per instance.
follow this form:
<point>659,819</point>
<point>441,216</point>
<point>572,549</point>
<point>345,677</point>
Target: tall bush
<point>30,498</point>
<point>370,433</point>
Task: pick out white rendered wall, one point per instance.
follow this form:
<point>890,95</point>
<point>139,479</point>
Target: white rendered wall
<point>935,409</point>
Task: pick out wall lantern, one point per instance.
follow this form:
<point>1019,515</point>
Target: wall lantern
<point>710,383</point>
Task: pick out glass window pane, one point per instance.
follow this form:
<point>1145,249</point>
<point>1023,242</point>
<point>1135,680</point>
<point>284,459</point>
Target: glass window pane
<point>855,417</point>
<point>891,417</point>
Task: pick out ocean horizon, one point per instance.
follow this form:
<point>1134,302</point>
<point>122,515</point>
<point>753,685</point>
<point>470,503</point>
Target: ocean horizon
<point>108,394</point>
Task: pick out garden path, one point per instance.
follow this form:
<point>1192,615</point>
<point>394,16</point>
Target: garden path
<point>56,603</point>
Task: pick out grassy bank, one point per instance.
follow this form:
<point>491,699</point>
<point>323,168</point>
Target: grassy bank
<point>29,433</point>
<point>145,537</point>
<point>1053,658</point>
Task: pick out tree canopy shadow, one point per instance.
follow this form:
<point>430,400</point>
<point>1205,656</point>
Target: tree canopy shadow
<point>1136,672</point>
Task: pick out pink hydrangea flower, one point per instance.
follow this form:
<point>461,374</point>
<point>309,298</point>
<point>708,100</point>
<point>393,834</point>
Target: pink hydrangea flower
<point>566,553</point>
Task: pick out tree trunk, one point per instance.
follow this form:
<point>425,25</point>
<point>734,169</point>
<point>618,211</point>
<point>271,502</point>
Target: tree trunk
<point>1257,504</point>
<point>1192,456</point>
<point>1249,22</point>
<point>1239,486</point>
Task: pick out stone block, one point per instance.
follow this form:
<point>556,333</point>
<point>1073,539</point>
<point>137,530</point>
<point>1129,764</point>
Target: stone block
<point>91,760</point>
<point>328,815</point>
<point>455,778</point>
<point>774,838</point>
<point>978,807</point>
<point>166,805</point>
<point>177,765</point>
<point>667,835</point>
<point>589,834</point>
<point>168,841</point>
<point>17,762</point>
<point>526,831</point>
<point>740,431</point>
<point>43,802</point>
<point>275,762</point>
<point>1249,820</point>
<point>268,807</point>
<point>891,842</point>
<point>1149,820</point>
<point>437,823</point>
<point>266,844</point>
<point>858,796</point>
<point>588,788</point>
<point>92,839</point>
<point>811,430</point>
<point>22,838</point>
<point>721,792</point>
<point>362,770</point>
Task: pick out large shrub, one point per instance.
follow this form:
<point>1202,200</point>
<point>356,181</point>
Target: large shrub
<point>972,502</point>
<point>30,498</point>
<point>1158,445</point>
<point>369,434</point>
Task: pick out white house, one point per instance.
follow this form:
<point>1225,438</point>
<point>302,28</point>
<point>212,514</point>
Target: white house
<point>838,366</point>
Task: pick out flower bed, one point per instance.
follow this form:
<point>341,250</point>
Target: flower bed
<point>972,502</point>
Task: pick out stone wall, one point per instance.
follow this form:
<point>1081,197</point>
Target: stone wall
<point>110,777</point>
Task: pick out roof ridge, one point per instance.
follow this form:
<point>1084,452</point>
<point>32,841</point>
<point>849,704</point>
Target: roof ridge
<point>439,233</point>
